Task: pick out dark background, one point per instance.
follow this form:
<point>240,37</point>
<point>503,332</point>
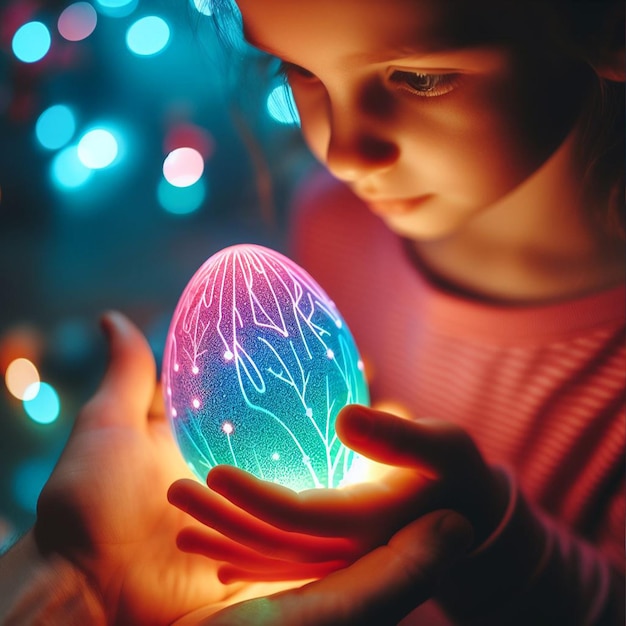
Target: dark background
<point>66,255</point>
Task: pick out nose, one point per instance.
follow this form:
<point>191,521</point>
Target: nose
<point>360,142</point>
<point>353,155</point>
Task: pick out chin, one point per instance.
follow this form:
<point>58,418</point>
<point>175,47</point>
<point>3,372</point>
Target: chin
<point>422,231</point>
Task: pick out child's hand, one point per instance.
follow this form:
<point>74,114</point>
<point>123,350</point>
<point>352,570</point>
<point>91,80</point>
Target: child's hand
<point>279,534</point>
<point>103,516</point>
<point>408,570</point>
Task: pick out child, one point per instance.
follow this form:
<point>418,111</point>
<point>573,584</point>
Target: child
<point>471,235</point>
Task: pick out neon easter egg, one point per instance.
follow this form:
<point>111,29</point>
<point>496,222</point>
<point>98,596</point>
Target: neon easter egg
<point>258,363</point>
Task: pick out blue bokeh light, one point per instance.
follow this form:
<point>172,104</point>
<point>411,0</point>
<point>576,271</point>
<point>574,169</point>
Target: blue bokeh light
<point>55,127</point>
<point>67,170</point>
<point>181,200</point>
<point>148,36</point>
<point>116,8</point>
<point>28,480</point>
<point>31,42</point>
<point>98,148</point>
<point>43,408</point>
<point>282,107</point>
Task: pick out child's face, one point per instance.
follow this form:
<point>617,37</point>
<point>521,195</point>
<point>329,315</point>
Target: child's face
<point>424,119</point>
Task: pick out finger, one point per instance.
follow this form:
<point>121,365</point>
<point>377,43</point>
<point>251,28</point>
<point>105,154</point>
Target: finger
<point>218,513</point>
<point>127,389</point>
<point>425,445</point>
<point>327,512</point>
<point>381,588</point>
<point>323,512</point>
<point>215,546</point>
<point>156,412</point>
<point>228,574</point>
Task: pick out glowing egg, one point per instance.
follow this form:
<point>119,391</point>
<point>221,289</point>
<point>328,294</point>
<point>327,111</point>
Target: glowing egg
<point>258,363</point>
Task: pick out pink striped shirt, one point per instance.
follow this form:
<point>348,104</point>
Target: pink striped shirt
<point>539,388</point>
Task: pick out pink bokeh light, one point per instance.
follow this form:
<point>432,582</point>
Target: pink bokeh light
<point>77,21</point>
<point>183,167</point>
<point>188,135</point>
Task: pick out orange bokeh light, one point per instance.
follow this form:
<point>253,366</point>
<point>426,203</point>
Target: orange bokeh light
<point>22,379</point>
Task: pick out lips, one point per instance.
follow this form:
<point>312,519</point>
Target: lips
<point>400,206</point>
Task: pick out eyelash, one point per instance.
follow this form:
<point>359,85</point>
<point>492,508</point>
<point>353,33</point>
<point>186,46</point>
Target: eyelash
<point>285,69</point>
<point>425,85</point>
<point>436,84</point>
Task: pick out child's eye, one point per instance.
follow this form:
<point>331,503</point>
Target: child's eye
<point>424,85</point>
<point>289,70</point>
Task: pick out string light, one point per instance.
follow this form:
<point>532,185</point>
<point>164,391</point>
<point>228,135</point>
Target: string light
<point>183,167</point>
<point>31,42</point>
<point>77,21</point>
<point>55,127</point>
<point>97,148</point>
<point>116,8</point>
<point>148,36</point>
<point>187,135</point>
<point>68,171</point>
<point>181,200</point>
<point>42,403</point>
<point>22,379</point>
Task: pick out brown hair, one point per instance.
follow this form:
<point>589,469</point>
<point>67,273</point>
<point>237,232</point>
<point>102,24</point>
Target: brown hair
<point>592,31</point>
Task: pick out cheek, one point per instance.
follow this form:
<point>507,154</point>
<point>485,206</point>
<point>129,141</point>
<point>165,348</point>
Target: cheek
<point>478,144</point>
<point>313,122</point>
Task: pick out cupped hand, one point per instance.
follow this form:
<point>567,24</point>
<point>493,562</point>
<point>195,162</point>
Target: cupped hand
<point>380,588</point>
<point>105,508</point>
<point>277,534</point>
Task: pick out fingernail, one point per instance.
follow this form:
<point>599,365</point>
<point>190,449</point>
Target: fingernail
<point>110,320</point>
<point>456,531</point>
<point>361,426</point>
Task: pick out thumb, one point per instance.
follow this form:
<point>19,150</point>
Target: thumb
<point>127,389</point>
<point>380,588</point>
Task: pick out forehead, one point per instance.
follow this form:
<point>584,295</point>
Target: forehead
<point>283,25</point>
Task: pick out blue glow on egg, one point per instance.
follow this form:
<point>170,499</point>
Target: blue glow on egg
<point>258,362</point>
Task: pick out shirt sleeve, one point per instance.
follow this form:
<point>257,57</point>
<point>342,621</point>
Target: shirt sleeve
<point>532,570</point>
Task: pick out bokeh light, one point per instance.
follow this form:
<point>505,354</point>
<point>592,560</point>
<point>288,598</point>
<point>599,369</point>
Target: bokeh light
<point>22,379</point>
<point>44,406</point>
<point>7,534</point>
<point>188,135</point>
<point>282,107</point>
<point>29,478</point>
<point>183,167</point>
<point>67,170</point>
<point>71,343</point>
<point>55,127</point>
<point>77,21</point>
<point>202,6</point>
<point>97,148</point>
<point>148,36</point>
<point>116,8</point>
<point>20,341</point>
<point>31,42</point>
<point>181,200</point>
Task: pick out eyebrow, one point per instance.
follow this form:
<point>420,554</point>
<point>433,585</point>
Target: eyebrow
<point>408,54</point>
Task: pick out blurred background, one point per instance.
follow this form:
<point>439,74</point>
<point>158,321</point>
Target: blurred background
<point>132,147</point>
